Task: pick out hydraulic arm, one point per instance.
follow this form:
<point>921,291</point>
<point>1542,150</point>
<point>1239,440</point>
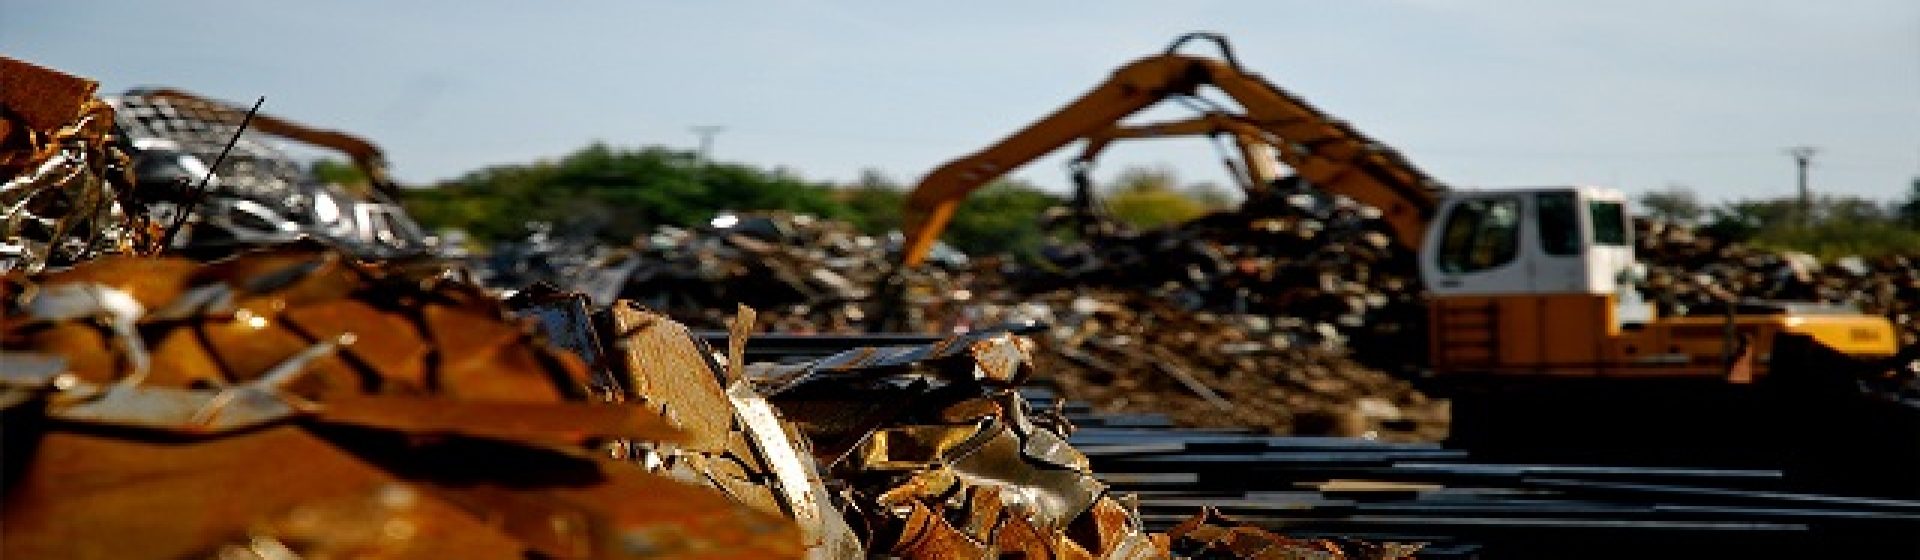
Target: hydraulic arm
<point>1323,151</point>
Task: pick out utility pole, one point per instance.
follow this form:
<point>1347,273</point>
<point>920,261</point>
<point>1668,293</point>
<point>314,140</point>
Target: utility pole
<point>1802,158</point>
<point>707,132</point>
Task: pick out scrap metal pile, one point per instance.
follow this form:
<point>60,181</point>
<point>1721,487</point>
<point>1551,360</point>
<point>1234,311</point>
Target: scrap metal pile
<point>296,403</point>
<point>1292,265</point>
<point>805,274</point>
<point>1134,353</point>
<point>1690,272</point>
<point>306,400</point>
<point>67,193</point>
<point>1253,323</point>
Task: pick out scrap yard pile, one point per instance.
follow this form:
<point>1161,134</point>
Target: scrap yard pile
<point>1253,324</point>
<point>209,351</point>
<point>1292,313</point>
<point>236,396</point>
<point>1688,268</point>
<point>1691,272</point>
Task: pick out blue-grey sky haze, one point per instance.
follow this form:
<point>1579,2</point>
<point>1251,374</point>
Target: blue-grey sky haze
<point>1638,94</point>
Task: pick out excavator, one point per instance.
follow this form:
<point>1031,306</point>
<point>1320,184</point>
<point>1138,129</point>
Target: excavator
<point>1536,332</point>
<point>1530,283</point>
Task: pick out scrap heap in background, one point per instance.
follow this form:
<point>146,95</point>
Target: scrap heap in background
<point>1247,318</point>
<point>1685,267</point>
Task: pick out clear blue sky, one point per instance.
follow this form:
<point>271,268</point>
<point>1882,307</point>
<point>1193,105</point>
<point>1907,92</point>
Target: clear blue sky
<point>1637,94</point>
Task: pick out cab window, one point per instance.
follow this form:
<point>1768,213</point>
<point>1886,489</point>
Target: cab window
<point>1559,223</point>
<point>1609,222</point>
<point>1480,234</point>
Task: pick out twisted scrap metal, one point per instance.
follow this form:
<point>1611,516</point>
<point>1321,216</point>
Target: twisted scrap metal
<point>65,189</point>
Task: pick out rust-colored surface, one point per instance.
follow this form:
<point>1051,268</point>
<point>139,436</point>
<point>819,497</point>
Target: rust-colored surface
<point>555,422</point>
<point>43,98</point>
<point>669,372</point>
<point>1211,535</point>
<point>402,417</point>
<point>383,342</point>
<point>957,466</point>
<point>94,496</point>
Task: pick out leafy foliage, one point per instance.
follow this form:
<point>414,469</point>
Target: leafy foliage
<point>1151,197</point>
<point>1839,226</point>
<point>617,193</point>
<point>875,202</point>
<point>1004,217</point>
<point>611,193</point>
<point>1675,204</point>
<point>1909,210</point>
<point>1841,238</point>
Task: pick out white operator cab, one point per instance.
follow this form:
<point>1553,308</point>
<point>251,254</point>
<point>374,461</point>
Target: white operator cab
<point>1533,242</point>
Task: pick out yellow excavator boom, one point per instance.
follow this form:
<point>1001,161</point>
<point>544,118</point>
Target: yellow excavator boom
<point>1322,150</point>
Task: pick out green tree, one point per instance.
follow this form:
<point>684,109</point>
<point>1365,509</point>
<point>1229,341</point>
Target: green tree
<point>1210,195</point>
<point>1909,210</point>
<point>1004,217</point>
<point>1146,197</point>
<point>1741,220</point>
<point>1829,209</point>
<point>612,193</point>
<point>1675,204</point>
<point>874,202</point>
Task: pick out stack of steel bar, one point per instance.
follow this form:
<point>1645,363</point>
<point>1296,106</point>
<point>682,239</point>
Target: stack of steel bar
<point>1418,492</point>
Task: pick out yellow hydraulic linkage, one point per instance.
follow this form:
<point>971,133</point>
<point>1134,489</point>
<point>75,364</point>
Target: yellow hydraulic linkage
<point>1321,150</point>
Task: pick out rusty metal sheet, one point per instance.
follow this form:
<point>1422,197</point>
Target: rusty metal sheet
<point>249,345</point>
<point>483,358</point>
<point>1208,534</point>
<point>92,496</point>
<point>670,371</point>
<point>570,422</point>
<point>154,282</point>
<point>386,343</point>
<point>80,344</point>
<point>388,522</point>
<point>43,98</point>
<point>484,441</point>
<point>927,534</point>
<point>280,277</point>
<point>649,516</point>
<point>737,334</point>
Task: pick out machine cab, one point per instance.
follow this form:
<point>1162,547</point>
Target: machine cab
<point>1563,240</point>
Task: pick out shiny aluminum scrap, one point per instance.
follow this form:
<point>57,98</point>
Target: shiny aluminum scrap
<point>65,190</point>
<point>297,403</point>
<point>261,194</point>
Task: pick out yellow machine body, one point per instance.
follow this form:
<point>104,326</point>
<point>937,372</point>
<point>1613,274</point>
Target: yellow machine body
<point>1580,335</point>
